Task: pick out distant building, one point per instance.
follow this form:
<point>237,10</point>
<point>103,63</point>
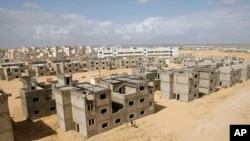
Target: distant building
<point>165,52</point>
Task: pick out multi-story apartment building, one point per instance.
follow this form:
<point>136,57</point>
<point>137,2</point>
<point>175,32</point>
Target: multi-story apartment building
<point>67,67</point>
<point>20,65</point>
<point>37,99</point>
<point>165,52</point>
<point>41,69</point>
<point>10,73</point>
<point>91,109</point>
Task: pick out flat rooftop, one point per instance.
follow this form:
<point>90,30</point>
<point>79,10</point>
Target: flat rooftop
<point>66,87</point>
<point>90,87</point>
<point>112,81</point>
<point>129,80</point>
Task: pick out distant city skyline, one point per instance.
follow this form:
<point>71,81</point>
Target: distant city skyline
<point>92,22</point>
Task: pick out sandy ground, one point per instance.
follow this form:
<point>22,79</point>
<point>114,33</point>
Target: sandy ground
<point>215,53</point>
<point>207,118</point>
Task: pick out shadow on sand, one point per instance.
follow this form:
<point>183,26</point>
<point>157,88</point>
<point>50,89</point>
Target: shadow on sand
<point>31,130</point>
<point>159,107</point>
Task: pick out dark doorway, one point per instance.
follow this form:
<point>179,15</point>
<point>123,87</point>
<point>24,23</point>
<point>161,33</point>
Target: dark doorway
<point>77,127</point>
<point>177,96</point>
<point>67,80</point>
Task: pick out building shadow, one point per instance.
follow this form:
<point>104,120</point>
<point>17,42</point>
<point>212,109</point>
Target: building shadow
<point>31,130</point>
<point>159,107</point>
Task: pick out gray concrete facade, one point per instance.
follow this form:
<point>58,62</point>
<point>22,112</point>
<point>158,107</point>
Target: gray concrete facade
<point>91,109</point>
<point>37,99</point>
<point>6,131</point>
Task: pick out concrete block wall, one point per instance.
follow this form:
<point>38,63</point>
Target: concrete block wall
<point>72,67</point>
<point>6,131</point>
<point>41,69</point>
<point>113,64</point>
<point>245,71</point>
<point>160,62</point>
<point>93,65</point>
<point>190,63</point>
<point>79,114</point>
<point>229,76</point>
<point>125,63</point>
<point>57,67</point>
<point>2,75</point>
<point>104,65</point>
<point>37,99</point>
<point>167,78</point>
<point>12,73</point>
<point>186,86</point>
<point>64,109</point>
<point>37,103</point>
<point>208,80</point>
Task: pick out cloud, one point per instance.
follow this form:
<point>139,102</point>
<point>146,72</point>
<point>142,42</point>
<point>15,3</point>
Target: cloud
<point>29,5</point>
<point>229,1</point>
<point>223,25</point>
<point>210,2</point>
<point>143,1</point>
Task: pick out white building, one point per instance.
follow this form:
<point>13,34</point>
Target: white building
<point>118,51</point>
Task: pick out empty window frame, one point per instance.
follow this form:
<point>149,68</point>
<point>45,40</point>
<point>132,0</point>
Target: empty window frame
<point>103,111</point>
<point>142,113</point>
<point>36,99</point>
<point>141,88</point>
<point>131,116</point>
<point>103,96</point>
<point>104,125</point>
<point>117,120</point>
<point>90,107</point>
<point>37,112</point>
<point>131,103</point>
<point>91,121</point>
<point>141,100</point>
<point>52,108</point>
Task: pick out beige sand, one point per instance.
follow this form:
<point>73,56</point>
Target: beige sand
<point>206,119</point>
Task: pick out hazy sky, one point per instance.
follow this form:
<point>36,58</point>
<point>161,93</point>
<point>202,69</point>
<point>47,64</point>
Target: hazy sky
<point>76,22</point>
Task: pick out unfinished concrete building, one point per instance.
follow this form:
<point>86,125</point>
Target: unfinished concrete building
<point>229,76</point>
<point>133,93</point>
<point>167,78</point>
<point>112,62</point>
<point>41,69</point>
<point>127,62</point>
<point>91,109</point>
<point>67,67</point>
<point>160,62</point>
<point>6,131</point>
<point>37,99</point>
<point>98,64</point>
<point>181,84</point>
<point>186,85</point>
<point>72,67</point>
<point>244,71</point>
<point>208,80</point>
<point>10,73</point>
<point>151,75</point>
<point>20,65</point>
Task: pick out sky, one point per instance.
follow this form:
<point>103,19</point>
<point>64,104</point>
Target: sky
<point>109,22</point>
